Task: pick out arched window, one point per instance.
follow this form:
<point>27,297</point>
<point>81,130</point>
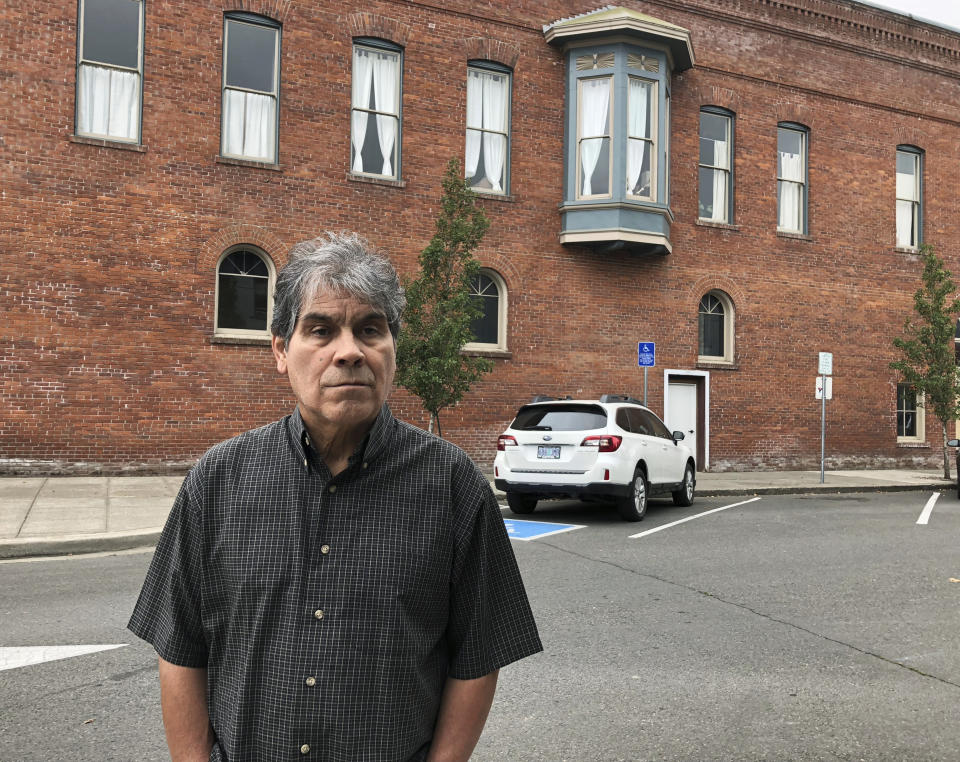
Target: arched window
<point>490,328</point>
<point>244,293</point>
<point>715,322</point>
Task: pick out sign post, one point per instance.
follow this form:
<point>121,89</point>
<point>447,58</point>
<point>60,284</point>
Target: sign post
<point>825,369</point>
<point>646,358</point>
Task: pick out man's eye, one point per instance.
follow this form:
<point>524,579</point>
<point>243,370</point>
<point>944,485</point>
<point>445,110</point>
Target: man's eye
<point>372,330</point>
<point>320,331</point>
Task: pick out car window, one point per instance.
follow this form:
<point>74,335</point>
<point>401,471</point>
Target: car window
<point>659,429</point>
<point>623,420</point>
<point>560,418</point>
<point>639,423</point>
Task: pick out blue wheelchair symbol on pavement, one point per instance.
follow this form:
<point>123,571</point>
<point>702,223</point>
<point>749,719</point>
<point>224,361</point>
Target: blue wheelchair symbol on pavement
<point>518,529</point>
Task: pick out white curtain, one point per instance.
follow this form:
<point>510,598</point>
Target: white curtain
<point>249,122</point>
<point>639,102</point>
<point>109,102</point>
<point>720,158</point>
<point>385,94</point>
<point>789,191</point>
<point>474,121</point>
<point>905,233</point>
<point>494,118</point>
<point>594,108</point>
<point>362,82</point>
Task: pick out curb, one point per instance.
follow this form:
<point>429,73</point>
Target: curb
<point>76,544</point>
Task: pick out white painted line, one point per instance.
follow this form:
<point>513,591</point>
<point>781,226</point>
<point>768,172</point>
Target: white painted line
<point>691,518</point>
<point>549,534</point>
<point>24,656</point>
<point>928,509</point>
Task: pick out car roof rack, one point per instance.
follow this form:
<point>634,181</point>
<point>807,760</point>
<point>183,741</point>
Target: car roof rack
<point>620,398</point>
<point>548,398</point>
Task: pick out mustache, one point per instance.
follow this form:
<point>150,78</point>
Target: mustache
<point>344,380</point>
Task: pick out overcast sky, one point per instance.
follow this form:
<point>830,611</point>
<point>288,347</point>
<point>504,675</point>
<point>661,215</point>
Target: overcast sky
<point>945,12</point>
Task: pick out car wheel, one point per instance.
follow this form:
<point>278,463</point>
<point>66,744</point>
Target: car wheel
<point>634,507</point>
<point>684,495</point>
<point>521,503</point>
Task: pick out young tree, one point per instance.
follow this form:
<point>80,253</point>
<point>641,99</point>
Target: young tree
<point>439,306</point>
<point>928,360</point>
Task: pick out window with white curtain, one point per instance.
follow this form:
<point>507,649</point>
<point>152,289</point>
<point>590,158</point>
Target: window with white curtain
<point>488,129</point>
<point>244,293</point>
<point>908,197</point>
<point>375,111</point>
<point>641,138</point>
<point>490,328</point>
<point>791,179</point>
<point>910,418</point>
<point>251,75</point>
<point>716,162</point>
<point>595,105</point>
<point>109,69</point>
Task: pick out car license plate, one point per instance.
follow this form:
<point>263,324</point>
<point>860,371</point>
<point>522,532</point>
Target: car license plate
<point>543,451</point>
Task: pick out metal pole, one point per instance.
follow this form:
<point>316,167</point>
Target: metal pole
<point>823,421</point>
<point>644,385</point>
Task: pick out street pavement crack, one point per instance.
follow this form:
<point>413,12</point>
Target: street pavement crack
<point>755,612</point>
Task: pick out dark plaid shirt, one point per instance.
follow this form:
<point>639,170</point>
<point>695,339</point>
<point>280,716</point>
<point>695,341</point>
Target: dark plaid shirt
<point>330,611</point>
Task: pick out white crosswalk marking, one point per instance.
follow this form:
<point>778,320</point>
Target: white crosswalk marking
<point>24,656</point>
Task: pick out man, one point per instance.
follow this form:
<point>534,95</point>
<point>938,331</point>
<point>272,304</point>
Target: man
<point>337,585</point>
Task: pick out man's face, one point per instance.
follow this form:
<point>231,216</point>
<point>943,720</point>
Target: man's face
<point>340,361</point>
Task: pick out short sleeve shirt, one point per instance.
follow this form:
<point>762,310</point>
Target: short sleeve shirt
<point>329,611</point>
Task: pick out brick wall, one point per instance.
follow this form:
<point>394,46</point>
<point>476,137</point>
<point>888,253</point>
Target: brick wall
<point>109,253</point>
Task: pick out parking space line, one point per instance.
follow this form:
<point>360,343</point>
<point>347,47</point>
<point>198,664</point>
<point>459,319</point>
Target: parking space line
<point>928,509</point>
<point>691,518</point>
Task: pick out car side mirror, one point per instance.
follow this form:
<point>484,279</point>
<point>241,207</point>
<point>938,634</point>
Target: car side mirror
<point>677,436</point>
<point>953,443</point>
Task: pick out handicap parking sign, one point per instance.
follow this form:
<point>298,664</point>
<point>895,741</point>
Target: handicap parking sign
<point>533,530</point>
<point>646,354</point>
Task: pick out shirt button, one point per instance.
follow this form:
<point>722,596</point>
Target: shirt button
<point>311,681</point>
<point>365,465</point>
<point>333,487</point>
<point>318,613</point>
<point>324,549</point>
<point>305,749</point>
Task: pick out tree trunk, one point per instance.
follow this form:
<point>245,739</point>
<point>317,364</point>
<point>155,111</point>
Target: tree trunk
<point>946,457</point>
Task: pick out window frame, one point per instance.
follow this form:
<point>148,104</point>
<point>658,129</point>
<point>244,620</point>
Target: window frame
<point>267,23</point>
<point>918,410</point>
<point>244,333</point>
<point>501,345</point>
<point>609,136</point>
<point>82,61</point>
<point>653,141</point>
<point>917,204</point>
<point>730,118</point>
<point>729,316</point>
<point>804,183</point>
<point>483,65</point>
<point>380,45</point>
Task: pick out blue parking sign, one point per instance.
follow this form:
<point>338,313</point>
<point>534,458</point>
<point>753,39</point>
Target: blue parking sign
<point>646,354</point>
<point>518,529</point>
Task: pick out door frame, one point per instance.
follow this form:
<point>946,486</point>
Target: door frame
<point>701,379</point>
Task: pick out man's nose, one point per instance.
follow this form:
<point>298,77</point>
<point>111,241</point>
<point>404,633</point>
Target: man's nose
<point>348,350</point>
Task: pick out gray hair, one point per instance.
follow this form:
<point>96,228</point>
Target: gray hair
<point>342,263</point>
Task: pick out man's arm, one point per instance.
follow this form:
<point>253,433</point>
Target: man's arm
<point>463,713</point>
<point>183,699</point>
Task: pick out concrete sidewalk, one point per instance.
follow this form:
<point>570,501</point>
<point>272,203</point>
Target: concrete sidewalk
<point>42,516</point>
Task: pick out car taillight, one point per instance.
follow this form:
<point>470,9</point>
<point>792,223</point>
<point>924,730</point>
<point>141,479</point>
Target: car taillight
<point>603,443</point>
<point>505,440</point>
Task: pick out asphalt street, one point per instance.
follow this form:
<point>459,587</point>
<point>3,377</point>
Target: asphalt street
<point>786,628</point>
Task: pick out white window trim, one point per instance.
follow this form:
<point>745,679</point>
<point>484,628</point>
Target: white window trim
<point>501,344</point>
<point>921,435</point>
<point>83,61</point>
<point>240,333</point>
<point>729,317</point>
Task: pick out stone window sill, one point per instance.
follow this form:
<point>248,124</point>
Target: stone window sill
<point>354,178</point>
<point>230,161</point>
<point>107,143</point>
<point>718,225</point>
<point>794,236</point>
<point>487,196</point>
<point>914,445</point>
<point>717,365</point>
<point>906,250</point>
<point>496,354</point>
<point>241,340</point>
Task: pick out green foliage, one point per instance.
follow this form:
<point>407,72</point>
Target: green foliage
<point>928,361</point>
<point>439,307</point>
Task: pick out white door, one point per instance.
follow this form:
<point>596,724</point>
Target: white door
<point>682,415</point>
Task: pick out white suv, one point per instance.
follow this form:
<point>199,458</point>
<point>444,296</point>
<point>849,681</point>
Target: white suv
<point>611,448</point>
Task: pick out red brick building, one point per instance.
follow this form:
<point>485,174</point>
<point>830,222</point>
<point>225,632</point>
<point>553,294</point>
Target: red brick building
<point>743,183</point>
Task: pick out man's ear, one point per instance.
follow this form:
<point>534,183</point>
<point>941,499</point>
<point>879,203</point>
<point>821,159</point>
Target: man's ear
<point>279,347</point>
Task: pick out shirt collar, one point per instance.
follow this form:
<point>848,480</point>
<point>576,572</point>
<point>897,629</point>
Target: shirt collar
<point>372,446</point>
